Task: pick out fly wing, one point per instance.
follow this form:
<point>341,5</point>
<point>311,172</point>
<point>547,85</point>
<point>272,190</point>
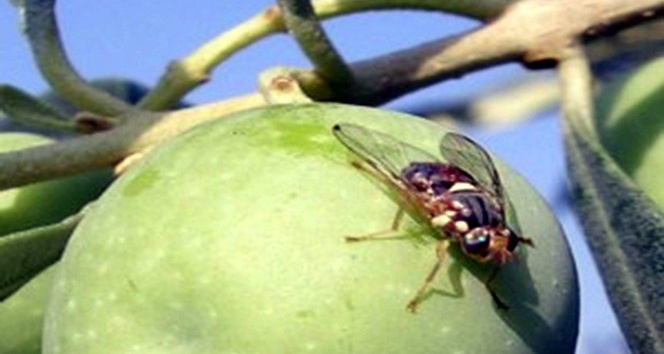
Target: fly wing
<point>380,150</point>
<point>386,157</point>
<point>510,216</point>
<point>472,158</point>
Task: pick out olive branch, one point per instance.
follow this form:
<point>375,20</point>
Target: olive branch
<point>532,32</point>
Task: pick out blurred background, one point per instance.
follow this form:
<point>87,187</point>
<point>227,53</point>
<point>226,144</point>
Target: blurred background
<point>110,39</point>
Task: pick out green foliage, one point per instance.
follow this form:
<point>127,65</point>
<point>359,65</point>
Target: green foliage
<point>630,122</point>
<point>623,225</point>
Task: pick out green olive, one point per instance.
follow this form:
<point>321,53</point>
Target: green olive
<point>631,126</point>
<point>231,239</point>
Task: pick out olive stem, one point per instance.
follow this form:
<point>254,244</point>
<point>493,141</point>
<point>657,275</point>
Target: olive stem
<point>528,31</point>
<point>576,82</point>
<point>301,21</point>
<point>532,31</point>
<point>280,86</point>
<point>41,29</point>
<point>140,132</point>
<point>186,74</point>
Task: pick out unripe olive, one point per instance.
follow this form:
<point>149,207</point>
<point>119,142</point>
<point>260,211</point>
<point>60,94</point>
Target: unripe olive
<point>630,124</point>
<point>230,239</point>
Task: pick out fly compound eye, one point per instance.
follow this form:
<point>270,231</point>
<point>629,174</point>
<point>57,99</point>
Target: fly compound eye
<point>477,242</point>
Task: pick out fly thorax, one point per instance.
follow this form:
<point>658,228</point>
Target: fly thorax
<point>434,178</point>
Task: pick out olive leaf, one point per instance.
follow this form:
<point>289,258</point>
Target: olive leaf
<point>26,109</point>
<point>625,231</point>
<point>25,254</point>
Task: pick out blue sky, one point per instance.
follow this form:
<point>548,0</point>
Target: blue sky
<point>109,38</point>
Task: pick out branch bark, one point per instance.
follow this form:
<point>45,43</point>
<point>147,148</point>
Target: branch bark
<point>535,32</point>
<point>184,75</point>
<point>531,32</point>
<point>137,134</point>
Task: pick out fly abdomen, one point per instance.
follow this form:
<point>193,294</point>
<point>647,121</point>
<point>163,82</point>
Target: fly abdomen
<point>479,208</point>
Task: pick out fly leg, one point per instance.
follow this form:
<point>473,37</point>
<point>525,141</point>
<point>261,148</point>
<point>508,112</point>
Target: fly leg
<point>391,233</point>
<point>441,251</point>
<point>496,299</point>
